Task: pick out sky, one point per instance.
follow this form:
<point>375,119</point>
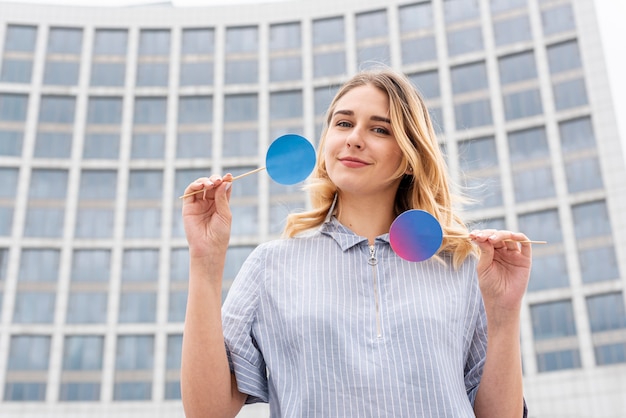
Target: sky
<point>611,15</point>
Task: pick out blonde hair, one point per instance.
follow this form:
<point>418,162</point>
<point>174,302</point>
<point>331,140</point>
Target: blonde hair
<point>426,188</point>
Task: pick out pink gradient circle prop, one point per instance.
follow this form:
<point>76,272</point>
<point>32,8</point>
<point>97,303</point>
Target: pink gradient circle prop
<point>415,235</point>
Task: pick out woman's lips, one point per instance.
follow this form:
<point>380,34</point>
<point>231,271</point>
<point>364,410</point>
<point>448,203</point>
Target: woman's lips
<point>353,162</point>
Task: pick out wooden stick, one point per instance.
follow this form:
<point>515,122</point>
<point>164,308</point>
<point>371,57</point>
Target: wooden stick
<point>527,241</point>
<point>256,170</point>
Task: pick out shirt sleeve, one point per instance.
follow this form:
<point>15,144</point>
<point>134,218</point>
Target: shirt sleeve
<point>239,314</point>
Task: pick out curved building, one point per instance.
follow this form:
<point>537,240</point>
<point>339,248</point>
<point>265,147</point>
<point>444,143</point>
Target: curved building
<point>106,114</point>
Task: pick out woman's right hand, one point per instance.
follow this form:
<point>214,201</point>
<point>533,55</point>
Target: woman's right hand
<point>207,216</point>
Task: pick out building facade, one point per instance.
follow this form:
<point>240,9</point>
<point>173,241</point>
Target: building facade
<point>106,114</point>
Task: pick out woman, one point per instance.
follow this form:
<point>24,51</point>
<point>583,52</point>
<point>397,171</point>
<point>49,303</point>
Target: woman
<point>330,322</point>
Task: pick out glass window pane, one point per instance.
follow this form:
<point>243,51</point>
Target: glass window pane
<point>568,94</point>
<point>327,64</point>
<point>110,42</point>
<point>132,391</point>
<point>65,41</point>
<point>240,143</point>
<point>174,351</point>
<point>606,312</point>
<point>48,184</point>
<point>145,184</point>
<point>8,179</point>
<point>94,222</point>
<point>98,185</point>
<point>87,308</point>
<point>478,153</point>
<point>195,109</point>
<point>29,352</point>
<point>153,74</point>
<point>108,74</point>
<point>91,265</point>
<point>134,352</point>
<point>247,220</point>
<point>583,174</point>
<point>101,145</point>
<point>148,146</point>
<point>463,41</point>
<point>198,41</point>
<point>553,320</point>
<point>328,31</point>
<point>503,5</point>
<point>598,264</point>
<point>20,38</point>
<point>140,265</point>
<point>285,68</point>
<point>235,256</point>
<point>512,30</point>
<point>472,114</point>
<point>39,265</point>
<point>53,145</point>
<point>548,272</point>
<point>558,19</point>
<point>179,264</point>
<point>526,184</point>
<point>61,73</point>
<point>104,110</point>
<point>544,225</point>
<point>284,36</point>
<point>522,104</point>
<point>11,142</point>
<point>242,39</point>
<point>83,391</point>
<point>44,222</point>
<point>558,360</point>
<point>150,110</point>
<point>610,353</point>
<point>528,144</point>
<point>591,220</point>
<point>137,307</point>
<point>196,73</point>
<point>154,42</point>
<point>17,70</point>
<point>194,145</point>
<point>563,57</point>
<point>240,107</point>
<point>177,306</point>
<point>373,56</point>
<point>241,71</point>
<point>517,67</point>
<point>371,25</point>
<point>415,17</point>
<point>286,105</point>
<point>427,83</point>
<point>57,109</point>
<point>34,308</point>
<point>469,77</point>
<point>13,107</point>
<point>458,10</point>
<point>577,134</point>
<point>143,223</point>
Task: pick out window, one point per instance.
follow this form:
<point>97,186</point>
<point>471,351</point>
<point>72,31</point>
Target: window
<point>65,41</point>
<point>150,110</point>
<point>285,68</point>
<point>86,308</point>
<point>61,73</point>
<point>564,57</point>
<point>568,94</point>
<point>607,316</point>
<point>285,36</point>
<point>235,257</point>
<point>137,307</point>
<point>473,114</point>
<point>101,146</point>
<point>526,180</point>
<point>91,265</point>
<point>200,73</point>
<point>144,221</point>
<point>11,142</point>
<point>427,83</point>
<point>108,74</point>
<point>241,71</point>
<point>46,204</point>
<point>152,74</point>
<point>134,353</point>
<point>469,77</point>
<point>96,204</point>
<point>458,10</point>
<point>57,109</point>
<point>16,70</point>
<point>13,107</point>
<point>111,42</point>
<point>478,153</point>
<point>415,17</point>
<point>179,264</point>
<point>34,307</point>
<point>583,174</point>
<point>198,41</point>
<point>174,352</point>
<point>549,271</point>
<point>577,134</point>
<point>195,109</point>
<point>8,179</point>
<point>591,220</point>
<point>242,39</point>
<point>528,144</point>
<point>463,41</point>
<point>327,64</point>
<point>504,5</point>
<point>28,353</point>
<point>19,38</point>
<point>177,306</point>
<point>140,265</point>
<point>286,105</point>
<point>512,30</point>
<point>104,111</point>
<point>154,42</point>
<point>553,320</point>
<point>53,145</point>
<point>39,265</point>
<point>558,19</point>
<point>371,25</point>
<point>240,107</point>
<point>598,264</point>
<point>522,104</point>
<point>517,67</point>
<point>328,31</point>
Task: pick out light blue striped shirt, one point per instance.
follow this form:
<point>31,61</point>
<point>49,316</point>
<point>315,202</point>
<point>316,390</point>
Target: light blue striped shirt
<point>327,326</point>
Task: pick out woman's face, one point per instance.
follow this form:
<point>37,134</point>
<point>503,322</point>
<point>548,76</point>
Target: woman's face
<point>361,153</point>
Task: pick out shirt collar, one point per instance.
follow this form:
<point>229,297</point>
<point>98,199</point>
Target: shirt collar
<point>344,236</point>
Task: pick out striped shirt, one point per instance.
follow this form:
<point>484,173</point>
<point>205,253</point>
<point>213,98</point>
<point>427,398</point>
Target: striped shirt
<point>326,325</point>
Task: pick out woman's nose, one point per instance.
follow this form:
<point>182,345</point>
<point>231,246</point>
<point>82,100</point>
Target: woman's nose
<point>355,139</point>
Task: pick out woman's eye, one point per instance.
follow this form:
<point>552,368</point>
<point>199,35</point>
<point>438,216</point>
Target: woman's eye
<point>381,131</point>
<point>344,124</point>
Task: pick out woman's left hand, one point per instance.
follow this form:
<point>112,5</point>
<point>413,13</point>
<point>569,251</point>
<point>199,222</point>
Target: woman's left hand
<point>503,271</point>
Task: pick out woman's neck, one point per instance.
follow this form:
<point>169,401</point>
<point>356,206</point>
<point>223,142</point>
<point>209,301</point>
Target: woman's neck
<point>366,217</point>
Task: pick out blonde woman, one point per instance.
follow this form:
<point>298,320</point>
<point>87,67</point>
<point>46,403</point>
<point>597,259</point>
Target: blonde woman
<point>329,321</point>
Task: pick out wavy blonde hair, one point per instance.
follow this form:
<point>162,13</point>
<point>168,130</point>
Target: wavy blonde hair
<point>427,188</point>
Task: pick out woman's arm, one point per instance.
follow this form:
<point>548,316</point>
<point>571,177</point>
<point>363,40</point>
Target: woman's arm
<point>503,274</point>
<point>208,388</point>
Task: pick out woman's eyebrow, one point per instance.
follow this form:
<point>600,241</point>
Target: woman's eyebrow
<point>351,113</point>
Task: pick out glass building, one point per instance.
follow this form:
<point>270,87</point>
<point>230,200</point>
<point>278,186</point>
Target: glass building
<point>106,114</point>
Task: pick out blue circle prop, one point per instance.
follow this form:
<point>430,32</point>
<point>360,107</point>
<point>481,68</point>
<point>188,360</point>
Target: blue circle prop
<point>290,159</point>
<point>415,235</point>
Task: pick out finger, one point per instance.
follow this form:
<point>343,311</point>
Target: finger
<point>222,195</point>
